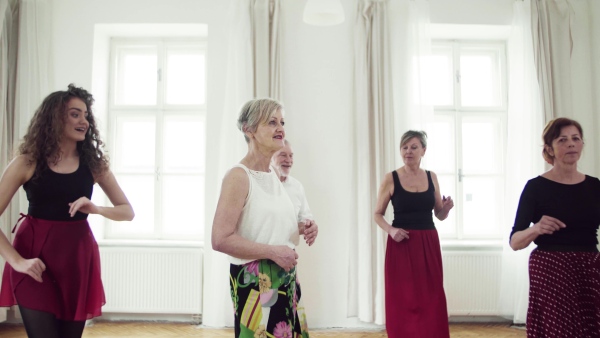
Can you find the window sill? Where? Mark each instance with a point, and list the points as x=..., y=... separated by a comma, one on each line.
x=471, y=244
x=145, y=243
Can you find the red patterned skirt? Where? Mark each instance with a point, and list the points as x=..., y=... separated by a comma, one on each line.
x=564, y=294
x=71, y=288
x=415, y=302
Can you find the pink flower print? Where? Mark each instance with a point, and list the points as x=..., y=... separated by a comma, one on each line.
x=295, y=302
x=252, y=267
x=282, y=330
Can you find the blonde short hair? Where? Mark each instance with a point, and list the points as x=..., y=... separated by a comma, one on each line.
x=255, y=112
x=421, y=135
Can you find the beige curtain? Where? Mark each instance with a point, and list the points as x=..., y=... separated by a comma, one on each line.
x=253, y=70
x=551, y=22
x=374, y=150
x=266, y=48
x=565, y=41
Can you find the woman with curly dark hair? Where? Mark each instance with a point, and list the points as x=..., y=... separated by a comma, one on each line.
x=53, y=266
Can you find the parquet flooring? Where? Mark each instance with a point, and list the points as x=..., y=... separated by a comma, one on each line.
x=151, y=329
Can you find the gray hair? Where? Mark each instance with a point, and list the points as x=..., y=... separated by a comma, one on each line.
x=421, y=135
x=255, y=112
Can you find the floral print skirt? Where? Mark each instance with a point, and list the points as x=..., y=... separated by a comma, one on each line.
x=266, y=301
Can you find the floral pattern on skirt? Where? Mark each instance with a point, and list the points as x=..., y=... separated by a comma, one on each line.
x=266, y=301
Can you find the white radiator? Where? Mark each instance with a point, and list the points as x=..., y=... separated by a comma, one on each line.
x=152, y=280
x=471, y=282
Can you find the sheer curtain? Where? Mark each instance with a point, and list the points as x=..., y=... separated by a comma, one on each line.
x=252, y=71
x=8, y=28
x=389, y=55
x=524, y=128
x=24, y=78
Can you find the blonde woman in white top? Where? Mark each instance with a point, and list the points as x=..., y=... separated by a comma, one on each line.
x=255, y=225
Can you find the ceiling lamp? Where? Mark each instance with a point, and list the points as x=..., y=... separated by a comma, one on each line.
x=323, y=12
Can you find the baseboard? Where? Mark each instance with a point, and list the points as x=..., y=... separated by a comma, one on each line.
x=150, y=317
x=479, y=319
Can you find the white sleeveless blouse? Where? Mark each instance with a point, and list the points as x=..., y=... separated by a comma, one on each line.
x=268, y=216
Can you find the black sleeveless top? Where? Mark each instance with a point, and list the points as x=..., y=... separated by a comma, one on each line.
x=412, y=210
x=50, y=193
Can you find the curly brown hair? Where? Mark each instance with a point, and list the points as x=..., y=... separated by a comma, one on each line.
x=45, y=131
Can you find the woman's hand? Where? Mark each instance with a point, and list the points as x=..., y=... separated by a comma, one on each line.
x=311, y=230
x=285, y=257
x=32, y=267
x=548, y=225
x=84, y=205
x=398, y=234
x=447, y=204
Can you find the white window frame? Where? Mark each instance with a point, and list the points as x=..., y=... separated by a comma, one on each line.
x=457, y=113
x=160, y=111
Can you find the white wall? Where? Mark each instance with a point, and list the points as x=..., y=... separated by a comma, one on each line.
x=317, y=93
x=317, y=90
x=476, y=12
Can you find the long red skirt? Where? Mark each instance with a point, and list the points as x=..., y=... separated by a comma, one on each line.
x=564, y=294
x=415, y=303
x=71, y=288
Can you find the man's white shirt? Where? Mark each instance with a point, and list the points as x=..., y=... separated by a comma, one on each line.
x=296, y=192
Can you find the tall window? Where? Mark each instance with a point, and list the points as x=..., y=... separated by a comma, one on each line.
x=157, y=115
x=466, y=140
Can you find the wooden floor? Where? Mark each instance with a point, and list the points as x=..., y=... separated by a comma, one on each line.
x=148, y=329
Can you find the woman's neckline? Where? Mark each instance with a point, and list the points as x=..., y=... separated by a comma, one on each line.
x=257, y=171
x=561, y=183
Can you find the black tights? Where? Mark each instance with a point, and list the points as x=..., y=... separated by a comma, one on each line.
x=40, y=324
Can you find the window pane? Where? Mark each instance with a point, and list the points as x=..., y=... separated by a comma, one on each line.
x=441, y=77
x=440, y=155
x=136, y=79
x=447, y=188
x=184, y=144
x=135, y=143
x=481, y=202
x=139, y=190
x=186, y=76
x=480, y=78
x=183, y=192
x=481, y=145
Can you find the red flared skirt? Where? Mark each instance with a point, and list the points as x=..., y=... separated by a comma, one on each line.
x=564, y=294
x=71, y=288
x=415, y=301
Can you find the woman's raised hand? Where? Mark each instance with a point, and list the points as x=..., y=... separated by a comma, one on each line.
x=548, y=225
x=82, y=204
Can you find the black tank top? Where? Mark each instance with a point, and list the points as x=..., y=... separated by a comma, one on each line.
x=412, y=210
x=49, y=194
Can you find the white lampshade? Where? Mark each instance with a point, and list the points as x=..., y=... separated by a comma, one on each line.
x=323, y=12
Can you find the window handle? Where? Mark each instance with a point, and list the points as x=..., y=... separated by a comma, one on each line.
x=157, y=172
x=458, y=76
x=159, y=74
x=460, y=175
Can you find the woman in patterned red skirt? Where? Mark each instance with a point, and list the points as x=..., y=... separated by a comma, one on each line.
x=53, y=266
x=564, y=270
x=415, y=303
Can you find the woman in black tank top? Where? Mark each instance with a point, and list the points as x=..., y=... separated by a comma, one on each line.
x=53, y=266
x=415, y=301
